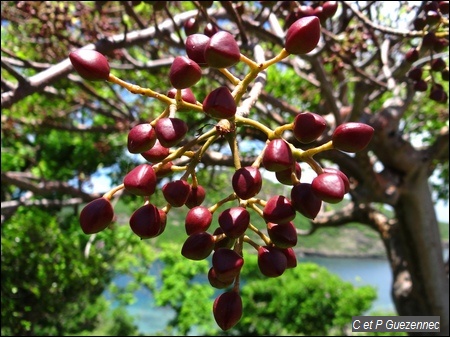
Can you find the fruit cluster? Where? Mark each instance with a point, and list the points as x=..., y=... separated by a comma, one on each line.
x=423, y=74
x=159, y=142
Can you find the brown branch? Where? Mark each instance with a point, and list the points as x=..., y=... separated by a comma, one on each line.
x=26, y=181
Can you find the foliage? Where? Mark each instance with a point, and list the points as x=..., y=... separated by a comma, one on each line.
x=52, y=282
x=306, y=300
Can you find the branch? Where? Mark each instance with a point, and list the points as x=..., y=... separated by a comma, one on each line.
x=61, y=70
x=26, y=181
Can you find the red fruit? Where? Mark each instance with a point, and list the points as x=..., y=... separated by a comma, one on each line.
x=271, y=261
x=227, y=309
x=421, y=86
x=247, y=182
x=285, y=176
x=305, y=201
x=303, y=35
x=147, y=221
x=291, y=257
x=210, y=29
x=283, y=235
x=198, y=219
x=329, y=8
x=329, y=187
x=278, y=209
x=438, y=64
x=96, y=216
x=277, y=156
x=308, y=126
x=412, y=55
x=141, y=180
x=170, y=131
x=157, y=153
x=198, y=246
x=415, y=73
x=341, y=174
x=186, y=95
x=176, y=192
x=352, y=136
x=196, y=196
x=90, y=64
x=234, y=221
x=184, y=72
x=195, y=48
x=227, y=264
x=191, y=26
x=226, y=242
x=164, y=170
x=215, y=282
x=141, y=138
x=222, y=50
x=220, y=104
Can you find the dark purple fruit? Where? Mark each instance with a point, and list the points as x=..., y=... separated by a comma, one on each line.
x=195, y=48
x=283, y=235
x=285, y=176
x=191, y=26
x=329, y=8
x=226, y=242
x=329, y=187
x=234, y=221
x=222, y=50
x=227, y=309
x=308, y=126
x=141, y=180
x=278, y=209
x=303, y=35
x=164, y=170
x=305, y=201
x=141, y=138
x=90, y=64
x=412, y=55
x=220, y=104
x=184, y=72
x=96, y=216
x=210, y=29
x=271, y=261
x=227, y=263
x=247, y=182
x=291, y=257
x=196, y=196
x=157, y=153
x=170, y=131
x=352, y=136
x=198, y=219
x=147, y=222
x=176, y=192
x=215, y=282
x=198, y=246
x=415, y=73
x=277, y=156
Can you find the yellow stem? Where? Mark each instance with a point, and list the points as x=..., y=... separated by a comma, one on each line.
x=252, y=64
x=135, y=89
x=108, y=195
x=264, y=237
x=233, y=79
x=257, y=125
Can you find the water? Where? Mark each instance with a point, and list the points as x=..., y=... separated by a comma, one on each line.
x=375, y=272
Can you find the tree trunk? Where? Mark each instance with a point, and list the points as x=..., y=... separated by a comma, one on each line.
x=420, y=282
